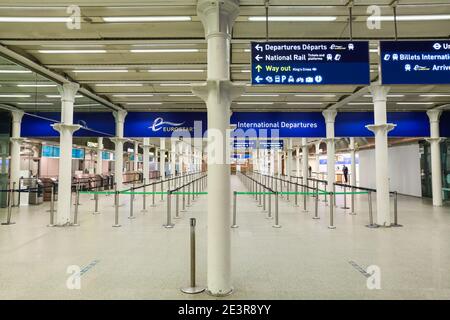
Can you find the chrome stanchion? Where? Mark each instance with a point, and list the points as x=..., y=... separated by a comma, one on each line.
x=192, y=289
x=371, y=224
x=77, y=204
x=234, y=225
x=316, y=203
x=269, y=199
x=52, y=207
x=305, y=191
x=276, y=225
x=144, y=198
x=183, y=209
x=188, y=196
x=331, y=226
x=131, y=216
x=334, y=195
x=177, y=206
x=169, y=223
x=116, y=207
x=162, y=190
x=352, y=211
x=296, y=195
x=96, y=204
x=9, y=214
x=153, y=194
x=345, y=199
x=395, y=224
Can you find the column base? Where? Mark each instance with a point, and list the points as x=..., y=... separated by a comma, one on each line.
x=192, y=290
x=219, y=295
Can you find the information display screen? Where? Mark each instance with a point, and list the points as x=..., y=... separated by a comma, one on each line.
x=311, y=63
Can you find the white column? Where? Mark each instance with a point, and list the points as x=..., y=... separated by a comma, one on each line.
x=329, y=116
x=218, y=17
x=381, y=129
x=305, y=155
x=136, y=156
x=119, y=116
x=146, y=159
x=289, y=155
x=162, y=158
x=353, y=165
x=99, y=165
x=16, y=141
x=436, y=171
x=317, y=163
x=66, y=129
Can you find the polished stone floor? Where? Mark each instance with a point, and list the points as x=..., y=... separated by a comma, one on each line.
x=303, y=259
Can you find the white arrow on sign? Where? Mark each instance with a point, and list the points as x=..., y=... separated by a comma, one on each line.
x=258, y=79
x=258, y=57
x=258, y=47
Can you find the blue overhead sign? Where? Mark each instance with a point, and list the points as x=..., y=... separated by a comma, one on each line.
x=415, y=62
x=311, y=63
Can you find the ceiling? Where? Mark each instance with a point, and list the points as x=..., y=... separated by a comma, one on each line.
x=129, y=84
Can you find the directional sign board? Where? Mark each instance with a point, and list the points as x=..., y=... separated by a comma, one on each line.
x=415, y=62
x=311, y=63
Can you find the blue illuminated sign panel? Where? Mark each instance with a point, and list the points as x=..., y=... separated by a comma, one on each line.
x=415, y=62
x=310, y=63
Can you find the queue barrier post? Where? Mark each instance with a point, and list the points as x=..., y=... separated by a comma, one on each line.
x=369, y=199
x=144, y=198
x=96, y=204
x=169, y=223
x=52, y=207
x=395, y=224
x=276, y=224
x=116, y=207
x=352, y=211
x=316, y=203
x=77, y=204
x=234, y=225
x=131, y=216
x=332, y=198
x=9, y=214
x=193, y=288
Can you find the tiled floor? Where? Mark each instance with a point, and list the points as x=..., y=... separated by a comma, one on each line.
x=301, y=260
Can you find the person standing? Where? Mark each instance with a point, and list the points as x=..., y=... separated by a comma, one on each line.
x=345, y=172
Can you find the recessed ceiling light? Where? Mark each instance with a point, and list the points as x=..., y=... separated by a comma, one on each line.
x=162, y=50
x=35, y=19
x=72, y=51
x=260, y=95
x=175, y=70
x=133, y=95
x=245, y=71
x=315, y=95
x=254, y=102
x=305, y=103
x=416, y=103
x=143, y=103
x=59, y=96
x=181, y=95
x=147, y=19
x=15, y=71
x=293, y=18
x=430, y=17
x=99, y=70
x=175, y=84
x=35, y=103
x=36, y=85
x=434, y=95
x=119, y=85
x=14, y=96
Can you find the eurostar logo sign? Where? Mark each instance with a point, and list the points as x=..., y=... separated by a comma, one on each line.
x=159, y=122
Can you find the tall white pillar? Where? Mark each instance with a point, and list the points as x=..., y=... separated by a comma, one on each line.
x=353, y=159
x=330, y=116
x=381, y=129
x=162, y=158
x=436, y=171
x=118, y=140
x=289, y=154
x=16, y=141
x=317, y=162
x=218, y=17
x=66, y=129
x=146, y=159
x=99, y=165
x=305, y=155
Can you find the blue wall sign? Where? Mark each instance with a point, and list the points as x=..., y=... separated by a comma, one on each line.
x=95, y=124
x=270, y=125
x=415, y=62
x=310, y=63
x=164, y=124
